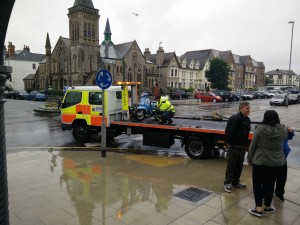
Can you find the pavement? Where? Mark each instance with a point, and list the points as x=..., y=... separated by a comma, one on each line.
x=80, y=187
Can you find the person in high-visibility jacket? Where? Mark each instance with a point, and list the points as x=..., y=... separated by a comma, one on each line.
x=165, y=109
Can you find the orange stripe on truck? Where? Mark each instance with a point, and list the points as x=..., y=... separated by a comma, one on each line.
x=83, y=109
x=68, y=118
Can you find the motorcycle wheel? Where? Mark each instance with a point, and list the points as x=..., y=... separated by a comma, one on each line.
x=140, y=115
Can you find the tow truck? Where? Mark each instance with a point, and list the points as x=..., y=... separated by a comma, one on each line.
x=81, y=112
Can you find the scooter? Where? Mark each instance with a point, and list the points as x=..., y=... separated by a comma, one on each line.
x=146, y=108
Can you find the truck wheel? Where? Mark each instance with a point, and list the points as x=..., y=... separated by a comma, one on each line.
x=196, y=148
x=81, y=133
x=140, y=115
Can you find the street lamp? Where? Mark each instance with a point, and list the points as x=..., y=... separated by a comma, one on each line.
x=289, y=76
x=159, y=60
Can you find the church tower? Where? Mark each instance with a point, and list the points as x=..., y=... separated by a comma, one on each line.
x=84, y=40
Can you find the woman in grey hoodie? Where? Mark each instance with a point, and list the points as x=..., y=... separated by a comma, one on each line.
x=267, y=158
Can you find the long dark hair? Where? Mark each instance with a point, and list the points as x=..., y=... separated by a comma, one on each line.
x=271, y=118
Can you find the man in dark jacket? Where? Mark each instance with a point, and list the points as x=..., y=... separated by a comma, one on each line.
x=237, y=132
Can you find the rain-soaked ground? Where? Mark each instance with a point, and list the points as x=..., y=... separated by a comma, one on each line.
x=26, y=129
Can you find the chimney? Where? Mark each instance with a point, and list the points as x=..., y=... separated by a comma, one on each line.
x=160, y=56
x=26, y=47
x=147, y=54
x=11, y=49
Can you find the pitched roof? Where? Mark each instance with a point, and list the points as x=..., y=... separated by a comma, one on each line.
x=26, y=55
x=109, y=52
x=201, y=55
x=29, y=77
x=167, y=58
x=237, y=59
x=67, y=41
x=280, y=72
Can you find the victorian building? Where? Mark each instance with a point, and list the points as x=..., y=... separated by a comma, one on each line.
x=74, y=60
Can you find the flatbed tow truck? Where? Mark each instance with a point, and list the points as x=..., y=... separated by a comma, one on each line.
x=81, y=112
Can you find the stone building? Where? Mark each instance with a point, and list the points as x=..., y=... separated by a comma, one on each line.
x=74, y=60
x=164, y=68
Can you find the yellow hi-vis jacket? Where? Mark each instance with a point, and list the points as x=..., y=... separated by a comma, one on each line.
x=165, y=105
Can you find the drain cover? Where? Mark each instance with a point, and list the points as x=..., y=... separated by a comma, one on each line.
x=193, y=194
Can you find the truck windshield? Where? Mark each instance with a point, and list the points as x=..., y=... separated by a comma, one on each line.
x=72, y=98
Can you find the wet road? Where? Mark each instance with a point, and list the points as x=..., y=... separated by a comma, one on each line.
x=26, y=129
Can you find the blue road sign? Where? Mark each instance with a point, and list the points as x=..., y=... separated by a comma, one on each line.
x=103, y=79
x=65, y=89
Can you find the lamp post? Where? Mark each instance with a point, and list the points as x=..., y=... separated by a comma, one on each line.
x=159, y=60
x=289, y=76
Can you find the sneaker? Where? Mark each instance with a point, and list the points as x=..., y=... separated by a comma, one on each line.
x=227, y=188
x=255, y=213
x=240, y=186
x=170, y=122
x=269, y=210
x=280, y=197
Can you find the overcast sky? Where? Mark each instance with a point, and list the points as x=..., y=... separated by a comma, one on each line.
x=256, y=27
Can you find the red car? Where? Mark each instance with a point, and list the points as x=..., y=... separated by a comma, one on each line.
x=207, y=97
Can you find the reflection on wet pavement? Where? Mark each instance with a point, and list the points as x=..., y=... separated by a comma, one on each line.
x=82, y=188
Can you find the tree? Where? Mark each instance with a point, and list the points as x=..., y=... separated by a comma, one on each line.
x=218, y=74
x=268, y=81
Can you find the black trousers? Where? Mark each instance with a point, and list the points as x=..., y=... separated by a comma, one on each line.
x=235, y=160
x=281, y=180
x=263, y=178
x=166, y=116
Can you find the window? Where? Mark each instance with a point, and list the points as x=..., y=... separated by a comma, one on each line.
x=72, y=98
x=33, y=66
x=95, y=98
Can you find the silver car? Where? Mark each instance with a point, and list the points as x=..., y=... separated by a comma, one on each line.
x=278, y=99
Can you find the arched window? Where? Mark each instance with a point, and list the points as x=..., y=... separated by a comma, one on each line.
x=91, y=63
x=75, y=63
x=129, y=74
x=85, y=30
x=93, y=33
x=139, y=75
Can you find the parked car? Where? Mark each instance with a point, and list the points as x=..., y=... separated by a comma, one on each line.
x=235, y=96
x=247, y=96
x=207, y=97
x=225, y=95
x=278, y=99
x=265, y=94
x=178, y=94
x=294, y=98
x=258, y=95
x=11, y=94
x=16, y=95
x=36, y=95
